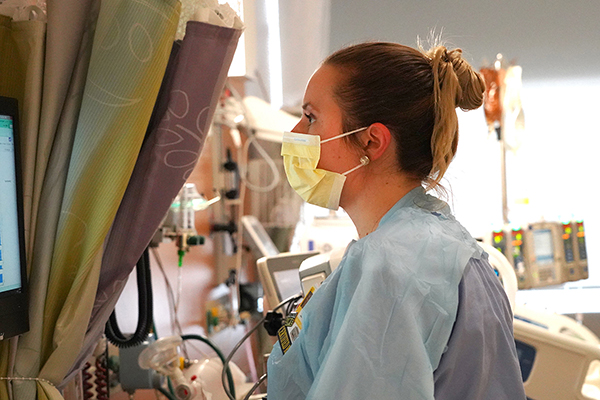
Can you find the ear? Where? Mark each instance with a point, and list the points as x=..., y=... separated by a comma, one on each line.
x=376, y=140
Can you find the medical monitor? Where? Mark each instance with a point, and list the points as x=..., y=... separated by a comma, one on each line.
x=279, y=276
x=580, y=248
x=14, y=318
x=314, y=270
x=545, y=257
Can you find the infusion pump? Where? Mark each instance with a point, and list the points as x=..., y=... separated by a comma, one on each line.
x=544, y=253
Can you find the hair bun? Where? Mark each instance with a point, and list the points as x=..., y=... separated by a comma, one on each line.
x=471, y=86
x=471, y=82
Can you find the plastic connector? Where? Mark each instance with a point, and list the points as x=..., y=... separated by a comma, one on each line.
x=195, y=240
x=273, y=321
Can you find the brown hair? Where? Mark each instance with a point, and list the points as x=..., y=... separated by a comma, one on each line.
x=414, y=94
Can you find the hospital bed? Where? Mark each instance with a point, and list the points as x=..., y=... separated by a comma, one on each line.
x=559, y=358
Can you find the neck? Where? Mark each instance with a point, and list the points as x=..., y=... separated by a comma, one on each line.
x=374, y=197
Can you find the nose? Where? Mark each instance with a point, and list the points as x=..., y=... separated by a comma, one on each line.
x=298, y=128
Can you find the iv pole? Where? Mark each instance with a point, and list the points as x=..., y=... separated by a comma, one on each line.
x=502, y=141
x=494, y=78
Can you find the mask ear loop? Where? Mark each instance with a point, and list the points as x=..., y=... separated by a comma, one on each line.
x=344, y=134
x=364, y=160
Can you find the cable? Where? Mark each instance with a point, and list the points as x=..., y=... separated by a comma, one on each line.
x=101, y=380
x=246, y=336
x=144, y=283
x=219, y=353
x=253, y=388
x=166, y=393
x=87, y=379
x=174, y=317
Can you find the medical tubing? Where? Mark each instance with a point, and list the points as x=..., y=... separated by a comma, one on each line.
x=244, y=166
x=253, y=388
x=246, y=336
x=170, y=385
x=144, y=283
x=166, y=393
x=219, y=353
x=175, y=324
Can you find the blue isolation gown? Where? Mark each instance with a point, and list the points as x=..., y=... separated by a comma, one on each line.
x=380, y=324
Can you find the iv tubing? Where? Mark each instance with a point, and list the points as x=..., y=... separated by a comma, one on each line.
x=253, y=388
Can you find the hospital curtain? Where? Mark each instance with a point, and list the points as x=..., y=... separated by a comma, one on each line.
x=91, y=126
x=182, y=115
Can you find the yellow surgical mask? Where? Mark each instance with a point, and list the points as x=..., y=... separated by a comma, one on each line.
x=301, y=153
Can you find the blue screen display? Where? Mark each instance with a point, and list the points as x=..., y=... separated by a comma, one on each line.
x=10, y=257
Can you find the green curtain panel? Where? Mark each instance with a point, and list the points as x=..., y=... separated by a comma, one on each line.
x=130, y=50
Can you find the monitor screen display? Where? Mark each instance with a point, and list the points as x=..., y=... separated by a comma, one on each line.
x=10, y=257
x=287, y=283
x=544, y=251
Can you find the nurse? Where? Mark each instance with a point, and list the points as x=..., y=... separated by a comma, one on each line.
x=414, y=310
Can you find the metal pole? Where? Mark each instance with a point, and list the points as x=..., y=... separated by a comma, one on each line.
x=503, y=174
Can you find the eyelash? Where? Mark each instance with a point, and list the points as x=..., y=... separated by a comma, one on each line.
x=310, y=118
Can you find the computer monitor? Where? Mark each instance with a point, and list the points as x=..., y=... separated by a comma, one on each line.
x=314, y=270
x=279, y=276
x=258, y=238
x=14, y=312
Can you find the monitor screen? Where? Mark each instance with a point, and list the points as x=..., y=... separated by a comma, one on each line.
x=14, y=317
x=544, y=251
x=287, y=283
x=10, y=257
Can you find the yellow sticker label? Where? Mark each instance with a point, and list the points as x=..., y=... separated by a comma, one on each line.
x=284, y=339
x=306, y=299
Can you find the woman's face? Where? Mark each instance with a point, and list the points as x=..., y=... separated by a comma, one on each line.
x=322, y=116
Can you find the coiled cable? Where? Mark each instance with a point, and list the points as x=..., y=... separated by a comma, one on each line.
x=144, y=283
x=87, y=384
x=101, y=380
